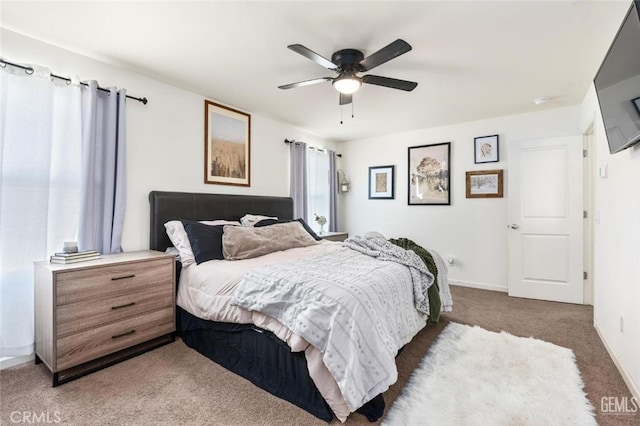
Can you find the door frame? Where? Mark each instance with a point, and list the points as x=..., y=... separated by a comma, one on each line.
x=588, y=197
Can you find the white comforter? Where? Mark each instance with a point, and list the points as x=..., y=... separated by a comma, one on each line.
x=357, y=310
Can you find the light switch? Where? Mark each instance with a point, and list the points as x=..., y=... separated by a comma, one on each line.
x=602, y=171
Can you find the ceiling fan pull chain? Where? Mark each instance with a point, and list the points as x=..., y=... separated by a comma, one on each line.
x=340, y=114
x=352, y=115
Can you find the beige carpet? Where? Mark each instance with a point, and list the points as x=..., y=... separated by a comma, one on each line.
x=175, y=385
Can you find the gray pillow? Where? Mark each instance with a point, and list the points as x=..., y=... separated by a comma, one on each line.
x=247, y=242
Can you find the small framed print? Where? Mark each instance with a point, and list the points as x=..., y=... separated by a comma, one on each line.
x=381, y=181
x=486, y=149
x=485, y=184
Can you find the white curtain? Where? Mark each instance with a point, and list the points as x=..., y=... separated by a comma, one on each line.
x=40, y=162
x=318, y=187
x=62, y=178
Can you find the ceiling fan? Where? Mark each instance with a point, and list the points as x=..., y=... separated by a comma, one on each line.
x=348, y=63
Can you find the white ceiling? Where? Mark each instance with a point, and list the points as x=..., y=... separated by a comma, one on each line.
x=473, y=60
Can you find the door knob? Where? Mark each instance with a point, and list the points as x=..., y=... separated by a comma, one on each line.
x=513, y=226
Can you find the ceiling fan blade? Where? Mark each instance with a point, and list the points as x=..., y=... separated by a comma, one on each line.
x=393, y=83
x=310, y=54
x=385, y=54
x=305, y=83
x=345, y=99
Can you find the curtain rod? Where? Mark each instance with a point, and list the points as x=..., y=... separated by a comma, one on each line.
x=287, y=141
x=29, y=71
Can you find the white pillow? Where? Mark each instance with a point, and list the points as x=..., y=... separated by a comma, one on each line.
x=180, y=240
x=252, y=219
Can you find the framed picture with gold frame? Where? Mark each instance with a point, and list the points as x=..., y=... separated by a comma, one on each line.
x=227, y=145
x=485, y=184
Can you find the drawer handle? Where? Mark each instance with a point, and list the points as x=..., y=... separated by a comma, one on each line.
x=124, y=277
x=123, y=306
x=128, y=333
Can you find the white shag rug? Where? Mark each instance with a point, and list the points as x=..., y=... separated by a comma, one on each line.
x=472, y=376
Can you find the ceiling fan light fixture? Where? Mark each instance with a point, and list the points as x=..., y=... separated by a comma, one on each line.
x=348, y=84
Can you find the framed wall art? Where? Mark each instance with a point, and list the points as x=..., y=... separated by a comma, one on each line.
x=485, y=149
x=485, y=184
x=227, y=145
x=381, y=180
x=428, y=175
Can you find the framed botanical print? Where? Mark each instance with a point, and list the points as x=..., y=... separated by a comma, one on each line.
x=227, y=145
x=381, y=183
x=428, y=175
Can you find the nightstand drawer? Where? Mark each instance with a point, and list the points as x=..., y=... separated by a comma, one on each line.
x=93, y=283
x=334, y=236
x=78, y=316
x=90, y=344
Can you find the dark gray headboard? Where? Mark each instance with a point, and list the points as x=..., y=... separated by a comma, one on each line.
x=166, y=206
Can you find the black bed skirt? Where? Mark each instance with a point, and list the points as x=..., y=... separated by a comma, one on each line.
x=263, y=359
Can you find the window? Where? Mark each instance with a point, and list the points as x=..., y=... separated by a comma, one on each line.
x=318, y=189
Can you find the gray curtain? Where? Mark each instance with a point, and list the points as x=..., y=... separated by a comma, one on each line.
x=103, y=169
x=298, y=178
x=333, y=193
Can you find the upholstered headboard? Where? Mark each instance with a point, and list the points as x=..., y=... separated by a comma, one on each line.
x=166, y=206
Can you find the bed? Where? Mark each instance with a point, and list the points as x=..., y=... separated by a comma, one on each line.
x=250, y=343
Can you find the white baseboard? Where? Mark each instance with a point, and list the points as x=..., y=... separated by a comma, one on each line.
x=481, y=286
x=625, y=376
x=12, y=361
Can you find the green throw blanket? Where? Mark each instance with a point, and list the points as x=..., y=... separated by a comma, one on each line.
x=435, y=303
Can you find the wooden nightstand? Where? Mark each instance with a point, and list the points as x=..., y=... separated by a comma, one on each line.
x=334, y=236
x=89, y=315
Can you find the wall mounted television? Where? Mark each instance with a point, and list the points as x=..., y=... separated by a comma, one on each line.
x=617, y=84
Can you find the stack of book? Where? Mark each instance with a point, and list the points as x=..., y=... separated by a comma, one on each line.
x=79, y=256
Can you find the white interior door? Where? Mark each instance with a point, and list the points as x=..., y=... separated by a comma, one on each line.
x=545, y=219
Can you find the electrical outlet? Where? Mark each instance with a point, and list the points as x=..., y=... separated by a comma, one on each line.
x=622, y=325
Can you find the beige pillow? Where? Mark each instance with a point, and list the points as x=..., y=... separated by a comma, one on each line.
x=248, y=242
